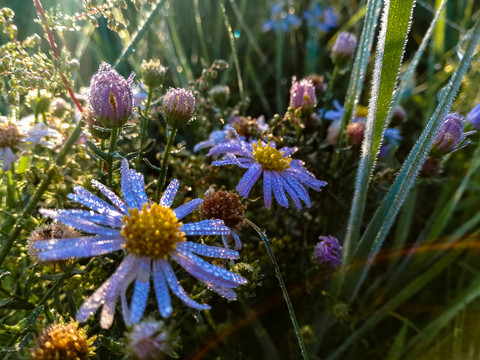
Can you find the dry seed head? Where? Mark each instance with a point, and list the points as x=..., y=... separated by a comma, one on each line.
x=9, y=135
x=226, y=206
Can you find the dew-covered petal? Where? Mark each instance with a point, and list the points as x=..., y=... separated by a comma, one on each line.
x=99, y=296
x=249, y=179
x=205, y=227
x=140, y=291
x=79, y=223
x=71, y=242
x=223, y=162
x=81, y=249
x=138, y=187
x=307, y=178
x=235, y=148
x=244, y=163
x=185, y=209
x=177, y=289
x=299, y=188
x=204, y=144
x=278, y=190
x=119, y=203
x=291, y=191
x=225, y=292
x=85, y=197
x=216, y=274
x=106, y=219
x=169, y=194
x=288, y=151
x=236, y=239
x=267, y=188
x=114, y=291
x=207, y=250
x=127, y=186
x=161, y=290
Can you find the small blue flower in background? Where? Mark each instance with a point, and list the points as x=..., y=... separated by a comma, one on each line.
x=216, y=137
x=393, y=136
x=333, y=115
x=151, y=234
x=323, y=20
x=328, y=251
x=280, y=172
x=474, y=116
x=280, y=20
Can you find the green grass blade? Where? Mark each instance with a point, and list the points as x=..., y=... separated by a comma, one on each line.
x=385, y=215
x=419, y=342
x=392, y=39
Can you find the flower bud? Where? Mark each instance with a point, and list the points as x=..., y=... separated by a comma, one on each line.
x=220, y=95
x=97, y=130
x=431, y=167
x=153, y=73
x=343, y=49
x=302, y=94
x=355, y=132
x=450, y=135
x=328, y=251
x=111, y=97
x=178, y=107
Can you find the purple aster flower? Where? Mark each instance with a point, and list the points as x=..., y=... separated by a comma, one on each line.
x=450, y=136
x=280, y=20
x=280, y=172
x=110, y=96
x=322, y=20
x=151, y=235
x=474, y=116
x=302, y=94
x=178, y=107
x=328, y=251
x=216, y=137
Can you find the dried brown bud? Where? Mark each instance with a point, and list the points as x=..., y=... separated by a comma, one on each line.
x=355, y=132
x=226, y=206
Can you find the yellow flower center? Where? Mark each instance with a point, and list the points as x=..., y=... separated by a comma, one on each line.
x=362, y=111
x=9, y=135
x=269, y=157
x=152, y=232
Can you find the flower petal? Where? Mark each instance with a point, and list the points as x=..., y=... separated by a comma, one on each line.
x=84, y=248
x=185, y=209
x=169, y=194
x=91, y=201
x=140, y=291
x=278, y=190
x=138, y=187
x=206, y=250
x=161, y=290
x=205, y=227
x=249, y=179
x=127, y=186
x=267, y=188
x=177, y=289
x=119, y=203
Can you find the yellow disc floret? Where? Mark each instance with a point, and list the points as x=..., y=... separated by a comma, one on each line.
x=270, y=158
x=9, y=135
x=153, y=231
x=362, y=111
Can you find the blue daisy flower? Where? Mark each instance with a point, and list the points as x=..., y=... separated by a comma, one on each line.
x=280, y=172
x=280, y=20
x=323, y=20
x=151, y=234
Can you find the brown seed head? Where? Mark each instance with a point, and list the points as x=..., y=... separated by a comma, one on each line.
x=226, y=206
x=48, y=232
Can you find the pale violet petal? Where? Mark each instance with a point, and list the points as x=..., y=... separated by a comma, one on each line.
x=138, y=187
x=279, y=191
x=161, y=290
x=267, y=188
x=207, y=250
x=119, y=203
x=127, y=186
x=249, y=179
x=84, y=249
x=68, y=242
x=185, y=209
x=86, y=198
x=169, y=194
x=106, y=219
x=141, y=290
x=205, y=227
x=225, y=292
x=177, y=289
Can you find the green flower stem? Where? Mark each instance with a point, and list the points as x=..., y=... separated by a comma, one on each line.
x=143, y=128
x=111, y=148
x=278, y=70
x=163, y=174
x=32, y=204
x=278, y=274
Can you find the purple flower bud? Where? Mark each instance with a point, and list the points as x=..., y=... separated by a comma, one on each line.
x=302, y=94
x=328, y=251
x=178, y=107
x=148, y=341
x=344, y=49
x=110, y=96
x=450, y=135
x=474, y=116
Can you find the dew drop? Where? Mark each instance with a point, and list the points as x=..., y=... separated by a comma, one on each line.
x=237, y=33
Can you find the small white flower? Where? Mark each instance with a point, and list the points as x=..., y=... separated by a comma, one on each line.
x=16, y=138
